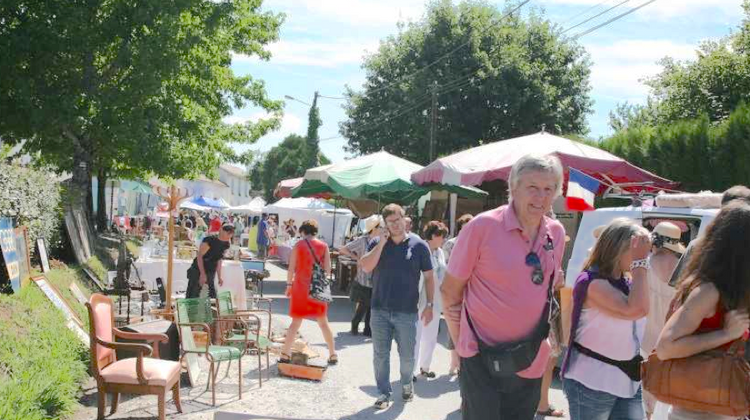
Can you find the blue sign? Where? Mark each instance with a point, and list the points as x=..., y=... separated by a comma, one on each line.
x=10, y=256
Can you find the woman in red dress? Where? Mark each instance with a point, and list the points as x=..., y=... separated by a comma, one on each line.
x=298, y=280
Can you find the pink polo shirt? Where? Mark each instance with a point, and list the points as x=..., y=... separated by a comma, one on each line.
x=504, y=304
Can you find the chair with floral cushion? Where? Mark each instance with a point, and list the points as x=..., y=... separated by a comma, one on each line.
x=137, y=375
x=198, y=313
x=250, y=327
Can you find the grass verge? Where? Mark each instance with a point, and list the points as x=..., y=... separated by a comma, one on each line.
x=43, y=362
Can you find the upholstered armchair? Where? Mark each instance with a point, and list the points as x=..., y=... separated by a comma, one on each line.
x=136, y=375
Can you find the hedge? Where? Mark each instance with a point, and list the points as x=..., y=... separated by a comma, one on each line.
x=43, y=363
x=32, y=197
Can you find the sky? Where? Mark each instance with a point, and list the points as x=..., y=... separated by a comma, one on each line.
x=323, y=42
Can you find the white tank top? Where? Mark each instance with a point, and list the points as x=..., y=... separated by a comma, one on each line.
x=659, y=299
x=611, y=337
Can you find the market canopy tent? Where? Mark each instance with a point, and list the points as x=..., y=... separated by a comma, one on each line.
x=284, y=189
x=493, y=161
x=254, y=207
x=301, y=209
x=187, y=204
x=379, y=176
x=210, y=202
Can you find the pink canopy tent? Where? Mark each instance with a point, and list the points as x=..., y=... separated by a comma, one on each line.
x=493, y=161
x=284, y=188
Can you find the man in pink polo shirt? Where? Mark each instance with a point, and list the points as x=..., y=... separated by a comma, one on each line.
x=499, y=274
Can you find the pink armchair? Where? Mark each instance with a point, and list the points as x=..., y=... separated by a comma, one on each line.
x=141, y=375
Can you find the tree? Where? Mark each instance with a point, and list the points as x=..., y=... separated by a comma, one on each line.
x=116, y=88
x=494, y=78
x=287, y=160
x=314, y=122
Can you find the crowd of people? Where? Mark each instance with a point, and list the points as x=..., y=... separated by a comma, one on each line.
x=495, y=284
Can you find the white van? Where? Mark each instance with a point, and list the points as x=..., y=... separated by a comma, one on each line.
x=692, y=220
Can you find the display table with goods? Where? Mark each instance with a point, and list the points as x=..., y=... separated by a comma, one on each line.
x=150, y=267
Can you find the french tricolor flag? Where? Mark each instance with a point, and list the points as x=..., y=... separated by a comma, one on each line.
x=581, y=191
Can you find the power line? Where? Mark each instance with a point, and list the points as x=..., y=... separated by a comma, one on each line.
x=594, y=17
x=467, y=79
x=584, y=12
x=616, y=18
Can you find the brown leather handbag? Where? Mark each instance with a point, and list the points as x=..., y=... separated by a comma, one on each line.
x=716, y=381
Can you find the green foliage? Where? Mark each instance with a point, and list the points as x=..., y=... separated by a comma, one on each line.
x=131, y=88
x=62, y=278
x=33, y=198
x=289, y=159
x=712, y=85
x=514, y=76
x=699, y=155
x=313, y=124
x=43, y=362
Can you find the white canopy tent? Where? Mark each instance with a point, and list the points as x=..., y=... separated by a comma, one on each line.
x=301, y=209
x=187, y=204
x=253, y=208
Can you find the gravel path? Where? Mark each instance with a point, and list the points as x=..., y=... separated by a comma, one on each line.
x=346, y=392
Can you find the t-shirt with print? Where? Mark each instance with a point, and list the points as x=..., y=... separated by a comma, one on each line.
x=504, y=304
x=395, y=280
x=216, y=248
x=359, y=248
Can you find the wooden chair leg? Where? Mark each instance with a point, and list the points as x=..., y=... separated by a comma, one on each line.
x=213, y=384
x=239, y=365
x=162, y=413
x=101, y=403
x=176, y=396
x=115, y=400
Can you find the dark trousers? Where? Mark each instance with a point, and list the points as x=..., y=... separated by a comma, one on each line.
x=362, y=310
x=487, y=398
x=194, y=284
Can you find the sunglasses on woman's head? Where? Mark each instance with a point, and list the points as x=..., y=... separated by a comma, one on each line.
x=532, y=260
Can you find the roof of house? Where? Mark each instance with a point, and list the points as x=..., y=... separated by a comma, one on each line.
x=234, y=170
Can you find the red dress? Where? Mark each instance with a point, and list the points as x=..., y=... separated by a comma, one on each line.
x=302, y=306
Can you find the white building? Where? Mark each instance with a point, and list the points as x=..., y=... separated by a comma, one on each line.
x=239, y=186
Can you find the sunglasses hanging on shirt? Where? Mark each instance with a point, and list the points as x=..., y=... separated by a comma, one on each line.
x=532, y=260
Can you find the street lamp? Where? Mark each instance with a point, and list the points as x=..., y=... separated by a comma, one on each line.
x=291, y=98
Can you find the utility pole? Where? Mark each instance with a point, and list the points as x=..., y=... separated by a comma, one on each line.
x=433, y=121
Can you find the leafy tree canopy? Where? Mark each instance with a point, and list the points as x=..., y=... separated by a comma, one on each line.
x=502, y=77
x=287, y=160
x=132, y=88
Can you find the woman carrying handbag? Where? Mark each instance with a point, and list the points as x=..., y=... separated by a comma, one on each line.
x=710, y=316
x=307, y=255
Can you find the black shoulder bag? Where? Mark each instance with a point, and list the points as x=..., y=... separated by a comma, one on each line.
x=320, y=286
x=507, y=359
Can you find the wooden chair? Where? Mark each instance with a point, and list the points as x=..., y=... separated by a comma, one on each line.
x=141, y=375
x=250, y=327
x=197, y=313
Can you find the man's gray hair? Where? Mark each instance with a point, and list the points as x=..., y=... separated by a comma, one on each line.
x=536, y=163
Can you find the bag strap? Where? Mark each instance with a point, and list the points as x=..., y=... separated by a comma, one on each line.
x=543, y=322
x=312, y=251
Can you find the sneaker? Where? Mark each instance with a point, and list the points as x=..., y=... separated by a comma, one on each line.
x=382, y=402
x=367, y=333
x=427, y=373
x=408, y=393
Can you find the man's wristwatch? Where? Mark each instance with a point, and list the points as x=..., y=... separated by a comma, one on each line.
x=430, y=305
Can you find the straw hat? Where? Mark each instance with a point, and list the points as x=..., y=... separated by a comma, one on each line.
x=667, y=235
x=372, y=222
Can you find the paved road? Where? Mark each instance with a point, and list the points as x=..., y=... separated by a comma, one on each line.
x=347, y=391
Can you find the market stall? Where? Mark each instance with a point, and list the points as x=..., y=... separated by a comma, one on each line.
x=332, y=222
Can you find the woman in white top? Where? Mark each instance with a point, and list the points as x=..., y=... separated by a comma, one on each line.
x=666, y=251
x=434, y=233
x=600, y=371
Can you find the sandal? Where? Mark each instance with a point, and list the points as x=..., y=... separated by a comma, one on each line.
x=427, y=373
x=333, y=359
x=551, y=412
x=285, y=358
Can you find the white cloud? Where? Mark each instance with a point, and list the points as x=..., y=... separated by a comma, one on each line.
x=619, y=67
x=663, y=8
x=318, y=54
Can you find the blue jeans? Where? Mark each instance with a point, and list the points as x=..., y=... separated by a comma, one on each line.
x=588, y=404
x=386, y=326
